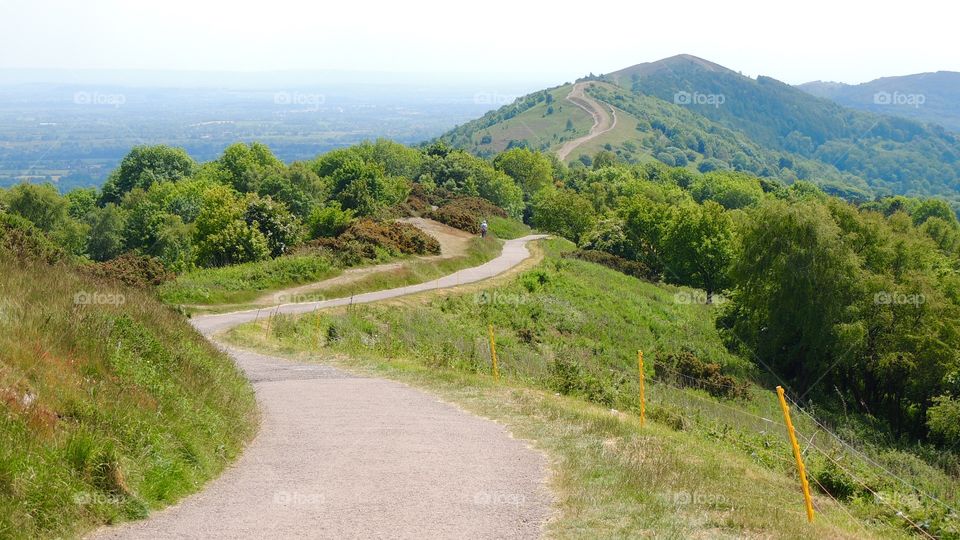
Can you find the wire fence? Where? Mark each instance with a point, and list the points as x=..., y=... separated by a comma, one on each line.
x=682, y=394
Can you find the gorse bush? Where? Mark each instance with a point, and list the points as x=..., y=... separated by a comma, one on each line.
x=131, y=270
x=631, y=268
x=466, y=213
x=20, y=239
x=395, y=237
x=685, y=370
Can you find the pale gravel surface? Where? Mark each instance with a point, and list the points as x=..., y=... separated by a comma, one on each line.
x=603, y=121
x=341, y=456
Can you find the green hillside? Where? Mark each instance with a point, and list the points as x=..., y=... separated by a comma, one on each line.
x=688, y=112
x=927, y=97
x=111, y=405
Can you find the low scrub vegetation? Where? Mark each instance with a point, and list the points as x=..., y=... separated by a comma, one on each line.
x=631, y=268
x=466, y=213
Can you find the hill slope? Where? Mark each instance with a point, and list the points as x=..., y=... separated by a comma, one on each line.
x=686, y=111
x=110, y=404
x=926, y=97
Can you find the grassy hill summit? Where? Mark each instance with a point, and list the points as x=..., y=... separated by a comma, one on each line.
x=689, y=112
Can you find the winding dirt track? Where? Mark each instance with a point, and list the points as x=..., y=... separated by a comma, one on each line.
x=453, y=243
x=604, y=118
x=341, y=456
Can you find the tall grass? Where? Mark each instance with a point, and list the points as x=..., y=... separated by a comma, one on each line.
x=507, y=228
x=110, y=404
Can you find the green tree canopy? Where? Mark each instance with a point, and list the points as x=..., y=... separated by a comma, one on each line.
x=143, y=166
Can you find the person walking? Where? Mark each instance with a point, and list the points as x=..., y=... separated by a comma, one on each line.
x=483, y=229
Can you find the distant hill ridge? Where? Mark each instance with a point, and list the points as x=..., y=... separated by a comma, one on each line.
x=690, y=112
x=927, y=97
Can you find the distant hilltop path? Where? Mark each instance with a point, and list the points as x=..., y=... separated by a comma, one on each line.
x=604, y=118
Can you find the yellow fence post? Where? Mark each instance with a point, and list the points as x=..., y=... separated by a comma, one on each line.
x=796, y=454
x=643, y=402
x=493, y=355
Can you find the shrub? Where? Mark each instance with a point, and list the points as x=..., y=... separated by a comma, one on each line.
x=836, y=483
x=398, y=238
x=687, y=371
x=943, y=419
x=466, y=213
x=414, y=207
x=22, y=240
x=329, y=221
x=131, y=269
x=631, y=268
x=364, y=237
x=434, y=196
x=569, y=378
x=669, y=416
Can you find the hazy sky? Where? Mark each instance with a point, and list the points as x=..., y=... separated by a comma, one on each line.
x=793, y=41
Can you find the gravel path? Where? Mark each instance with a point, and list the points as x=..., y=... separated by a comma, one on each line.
x=453, y=243
x=340, y=456
x=603, y=121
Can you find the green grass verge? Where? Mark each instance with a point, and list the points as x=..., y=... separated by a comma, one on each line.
x=704, y=467
x=507, y=228
x=111, y=405
x=411, y=272
x=245, y=282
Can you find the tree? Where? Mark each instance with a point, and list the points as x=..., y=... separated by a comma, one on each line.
x=234, y=244
x=143, y=166
x=604, y=158
x=531, y=170
x=929, y=208
x=794, y=279
x=363, y=187
x=698, y=245
x=732, y=190
x=41, y=204
x=463, y=174
x=245, y=166
x=106, y=239
x=80, y=202
x=609, y=235
x=298, y=187
x=280, y=228
x=562, y=212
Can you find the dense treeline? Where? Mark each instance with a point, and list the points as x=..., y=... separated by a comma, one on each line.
x=854, y=305
x=247, y=205
x=843, y=302
x=894, y=155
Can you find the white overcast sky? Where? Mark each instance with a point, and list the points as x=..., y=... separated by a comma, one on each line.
x=794, y=41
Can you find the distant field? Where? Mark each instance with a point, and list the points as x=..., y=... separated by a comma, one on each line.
x=74, y=136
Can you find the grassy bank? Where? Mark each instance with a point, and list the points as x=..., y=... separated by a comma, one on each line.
x=244, y=282
x=412, y=272
x=507, y=228
x=567, y=335
x=110, y=404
